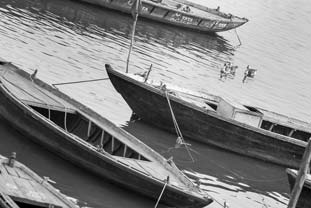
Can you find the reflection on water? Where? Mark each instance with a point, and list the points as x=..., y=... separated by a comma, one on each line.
x=69, y=41
x=228, y=177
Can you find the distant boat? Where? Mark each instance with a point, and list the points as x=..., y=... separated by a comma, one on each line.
x=214, y=120
x=179, y=13
x=80, y=135
x=21, y=187
x=304, y=200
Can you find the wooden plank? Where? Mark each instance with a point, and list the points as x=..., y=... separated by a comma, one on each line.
x=302, y=174
x=7, y=202
x=10, y=187
x=28, y=191
x=31, y=94
x=11, y=171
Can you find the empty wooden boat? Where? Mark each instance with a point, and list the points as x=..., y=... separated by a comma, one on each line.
x=82, y=136
x=21, y=187
x=214, y=120
x=178, y=13
x=304, y=200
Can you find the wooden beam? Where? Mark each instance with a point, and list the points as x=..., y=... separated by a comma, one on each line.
x=89, y=129
x=271, y=127
x=101, y=145
x=124, y=151
x=291, y=132
x=301, y=176
x=112, y=144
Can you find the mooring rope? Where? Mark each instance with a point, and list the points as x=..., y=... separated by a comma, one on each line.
x=166, y=182
x=180, y=139
x=240, y=42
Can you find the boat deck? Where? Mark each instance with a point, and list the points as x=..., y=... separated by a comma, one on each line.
x=193, y=10
x=23, y=186
x=151, y=169
x=29, y=94
x=285, y=120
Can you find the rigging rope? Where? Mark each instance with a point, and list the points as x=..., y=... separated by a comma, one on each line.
x=180, y=139
x=240, y=43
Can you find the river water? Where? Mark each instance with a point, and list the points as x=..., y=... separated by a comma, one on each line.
x=70, y=41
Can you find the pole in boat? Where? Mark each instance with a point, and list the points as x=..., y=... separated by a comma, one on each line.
x=166, y=182
x=135, y=10
x=301, y=176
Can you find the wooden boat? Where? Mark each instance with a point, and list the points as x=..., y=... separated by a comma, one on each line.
x=21, y=187
x=82, y=136
x=214, y=120
x=178, y=13
x=304, y=200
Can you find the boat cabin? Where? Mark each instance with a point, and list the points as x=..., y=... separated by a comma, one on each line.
x=244, y=114
x=263, y=119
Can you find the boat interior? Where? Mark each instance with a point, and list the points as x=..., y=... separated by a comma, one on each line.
x=80, y=126
x=21, y=188
x=67, y=117
x=105, y=143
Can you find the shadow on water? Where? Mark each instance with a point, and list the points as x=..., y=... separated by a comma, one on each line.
x=115, y=23
x=216, y=168
x=89, y=189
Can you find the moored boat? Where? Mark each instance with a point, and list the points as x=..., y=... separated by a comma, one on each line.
x=214, y=120
x=80, y=135
x=21, y=187
x=179, y=13
x=304, y=200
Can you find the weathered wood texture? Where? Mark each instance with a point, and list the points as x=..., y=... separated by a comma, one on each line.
x=24, y=186
x=202, y=125
x=304, y=200
x=70, y=147
x=301, y=177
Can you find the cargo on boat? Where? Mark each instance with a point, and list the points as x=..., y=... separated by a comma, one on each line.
x=304, y=200
x=178, y=13
x=80, y=135
x=214, y=120
x=21, y=187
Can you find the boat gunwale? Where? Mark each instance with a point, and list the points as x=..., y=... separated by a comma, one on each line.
x=294, y=173
x=221, y=19
x=190, y=188
x=209, y=112
x=61, y=197
x=237, y=21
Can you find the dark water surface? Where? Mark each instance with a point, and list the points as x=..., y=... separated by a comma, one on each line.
x=70, y=41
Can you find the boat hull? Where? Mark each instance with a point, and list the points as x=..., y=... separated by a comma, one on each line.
x=35, y=127
x=170, y=16
x=151, y=105
x=304, y=200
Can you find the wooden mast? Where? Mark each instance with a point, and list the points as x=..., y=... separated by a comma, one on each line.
x=135, y=11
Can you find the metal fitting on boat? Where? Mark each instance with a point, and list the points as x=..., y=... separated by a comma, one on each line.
x=11, y=160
